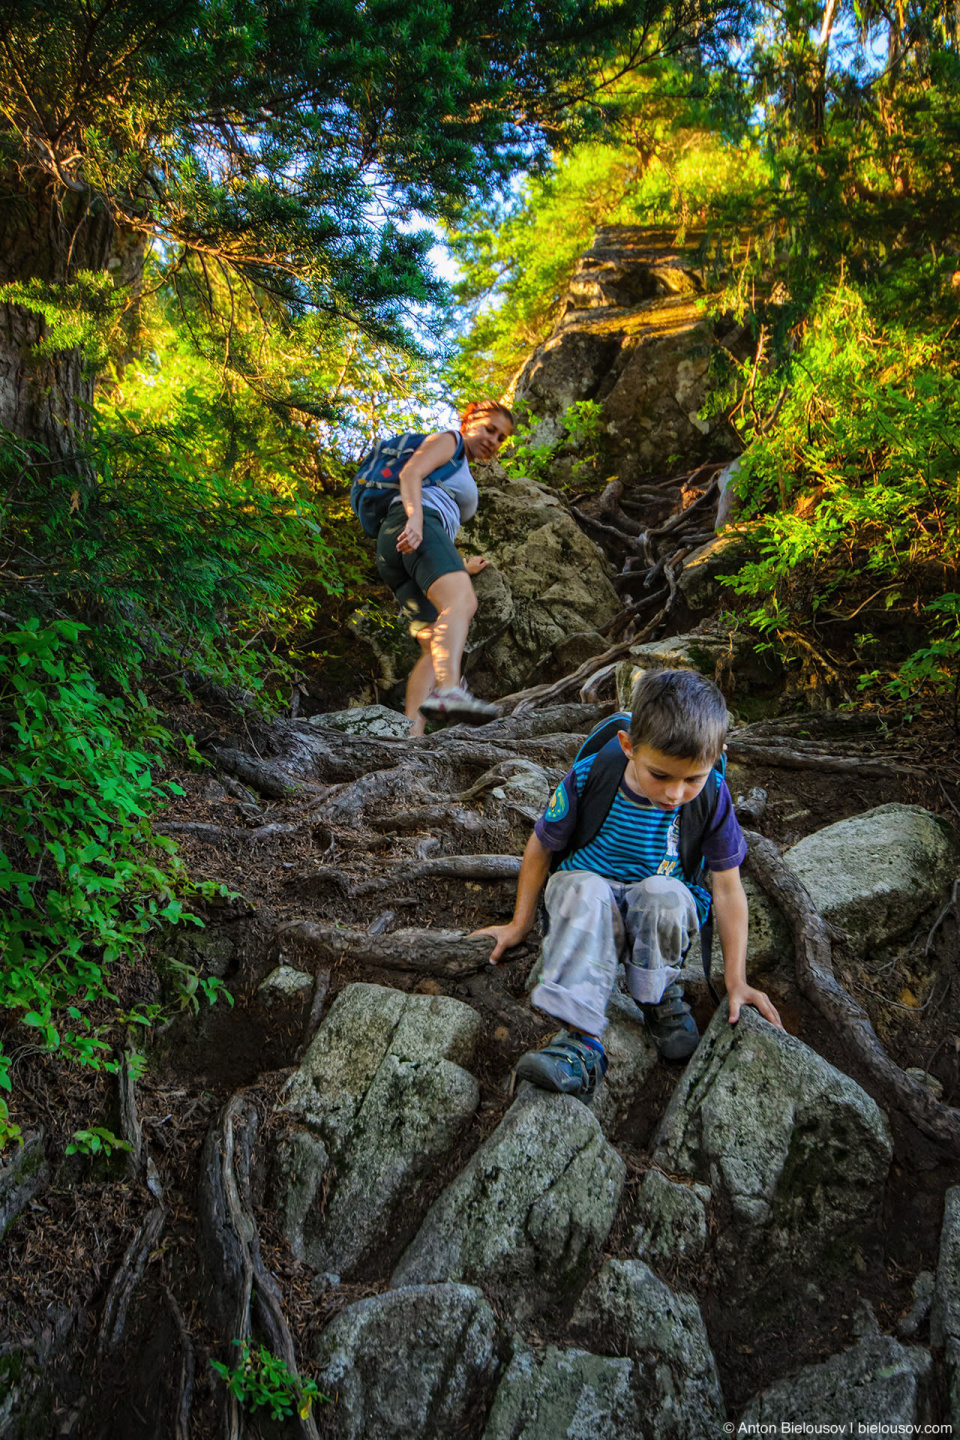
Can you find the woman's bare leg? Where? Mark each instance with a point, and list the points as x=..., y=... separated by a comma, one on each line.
x=421, y=681
x=456, y=604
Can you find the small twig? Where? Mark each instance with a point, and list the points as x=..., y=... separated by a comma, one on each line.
x=950, y=908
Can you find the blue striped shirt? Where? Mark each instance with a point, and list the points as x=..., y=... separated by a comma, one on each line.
x=637, y=839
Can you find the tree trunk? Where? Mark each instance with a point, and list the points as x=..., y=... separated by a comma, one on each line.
x=49, y=235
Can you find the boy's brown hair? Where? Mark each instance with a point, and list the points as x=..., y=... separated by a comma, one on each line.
x=679, y=713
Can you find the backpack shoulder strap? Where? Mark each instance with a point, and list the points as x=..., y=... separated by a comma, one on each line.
x=695, y=818
x=599, y=792
x=603, y=733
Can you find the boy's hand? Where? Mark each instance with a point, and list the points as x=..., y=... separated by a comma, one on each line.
x=742, y=995
x=476, y=563
x=506, y=937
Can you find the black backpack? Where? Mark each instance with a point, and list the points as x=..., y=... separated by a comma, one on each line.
x=600, y=791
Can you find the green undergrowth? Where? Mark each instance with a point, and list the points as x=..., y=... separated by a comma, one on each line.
x=84, y=878
x=855, y=492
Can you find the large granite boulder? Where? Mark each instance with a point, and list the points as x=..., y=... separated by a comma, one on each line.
x=632, y=1055
x=877, y=1382
x=875, y=874
x=729, y=657
x=379, y=1100
x=375, y=720
x=529, y=1212
x=795, y=1152
x=671, y=1220
x=412, y=1364
x=633, y=338
x=675, y=1378
x=701, y=579
x=571, y=1393
x=548, y=586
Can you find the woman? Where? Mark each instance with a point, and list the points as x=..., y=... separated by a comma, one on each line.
x=417, y=558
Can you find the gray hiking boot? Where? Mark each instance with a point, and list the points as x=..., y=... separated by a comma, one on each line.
x=457, y=707
x=671, y=1024
x=568, y=1065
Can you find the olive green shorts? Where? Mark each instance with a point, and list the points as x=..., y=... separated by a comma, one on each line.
x=410, y=576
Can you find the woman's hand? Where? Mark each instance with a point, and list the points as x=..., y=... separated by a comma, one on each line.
x=411, y=536
x=475, y=563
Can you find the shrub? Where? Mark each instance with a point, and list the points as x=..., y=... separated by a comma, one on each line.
x=83, y=878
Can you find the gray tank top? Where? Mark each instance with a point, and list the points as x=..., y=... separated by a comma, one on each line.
x=455, y=500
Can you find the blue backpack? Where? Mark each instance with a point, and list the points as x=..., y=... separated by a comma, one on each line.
x=377, y=483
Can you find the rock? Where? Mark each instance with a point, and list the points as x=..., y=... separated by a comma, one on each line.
x=727, y=498
x=769, y=944
x=210, y=950
x=530, y=787
x=729, y=657
x=793, y=1149
x=672, y=1220
x=375, y=720
x=700, y=580
x=632, y=1055
x=382, y=1097
x=412, y=1364
x=875, y=874
x=529, y=1212
x=923, y=1291
x=876, y=1382
x=547, y=583
x=23, y=1176
x=632, y=338
x=675, y=1380
x=923, y=1077
x=565, y=1393
x=283, y=984
x=872, y=876
x=945, y=1310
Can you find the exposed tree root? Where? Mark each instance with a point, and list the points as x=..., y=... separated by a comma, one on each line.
x=750, y=810
x=426, y=952
x=321, y=985
x=240, y=1291
x=449, y=867
x=130, y=1128
x=221, y=834
x=780, y=756
x=188, y=1367
x=124, y=1284
x=820, y=986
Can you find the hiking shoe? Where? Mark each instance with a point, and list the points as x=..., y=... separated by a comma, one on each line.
x=570, y=1065
x=457, y=707
x=671, y=1024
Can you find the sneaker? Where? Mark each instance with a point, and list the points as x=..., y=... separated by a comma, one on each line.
x=570, y=1065
x=671, y=1024
x=457, y=707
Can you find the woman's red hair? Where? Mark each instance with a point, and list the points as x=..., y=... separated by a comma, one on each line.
x=478, y=408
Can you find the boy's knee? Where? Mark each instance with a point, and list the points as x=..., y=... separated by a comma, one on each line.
x=572, y=894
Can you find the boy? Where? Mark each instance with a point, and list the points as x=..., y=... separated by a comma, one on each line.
x=623, y=895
